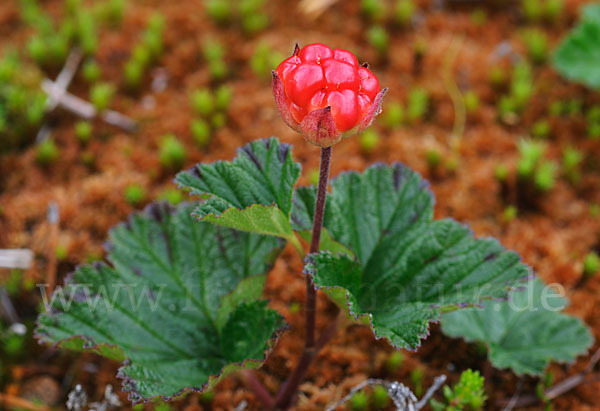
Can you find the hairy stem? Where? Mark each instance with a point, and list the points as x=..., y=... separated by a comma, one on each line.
x=289, y=388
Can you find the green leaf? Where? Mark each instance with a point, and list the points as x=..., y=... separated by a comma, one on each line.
x=179, y=301
x=407, y=268
x=578, y=56
x=251, y=193
x=524, y=333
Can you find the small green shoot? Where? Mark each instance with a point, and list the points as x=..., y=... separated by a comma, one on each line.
x=571, y=164
x=541, y=129
x=203, y=102
x=172, y=152
x=61, y=252
x=497, y=76
x=253, y=18
x=91, y=71
x=509, y=213
x=467, y=394
x=200, y=132
x=545, y=175
x=404, y=12
x=46, y=153
x=101, y=95
x=313, y=177
x=416, y=377
x=478, y=17
x=532, y=10
x=295, y=307
x=359, y=401
x=83, y=131
x=369, y=141
x=135, y=194
x=223, y=97
x=433, y=158
x=393, y=115
x=418, y=104
x=380, y=398
x=591, y=264
x=264, y=60
x=374, y=10
x=171, y=195
x=379, y=39
x=394, y=361
x=471, y=101
x=219, y=10
x=501, y=173
x=219, y=120
x=537, y=45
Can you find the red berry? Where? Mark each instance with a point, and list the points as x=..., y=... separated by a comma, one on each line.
x=317, y=77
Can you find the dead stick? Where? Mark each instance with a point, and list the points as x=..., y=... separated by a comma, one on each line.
x=559, y=388
x=84, y=109
x=65, y=77
x=16, y=402
x=53, y=219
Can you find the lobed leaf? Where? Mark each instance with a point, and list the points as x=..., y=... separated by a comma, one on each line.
x=178, y=301
x=251, y=193
x=577, y=58
x=406, y=268
x=525, y=333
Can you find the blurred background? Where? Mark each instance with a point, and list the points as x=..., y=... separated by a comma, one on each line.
x=102, y=102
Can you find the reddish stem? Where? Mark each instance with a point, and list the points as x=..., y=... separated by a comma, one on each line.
x=289, y=388
x=259, y=390
x=311, y=294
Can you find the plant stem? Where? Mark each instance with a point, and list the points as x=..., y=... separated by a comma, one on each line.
x=289, y=388
x=259, y=390
x=311, y=294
